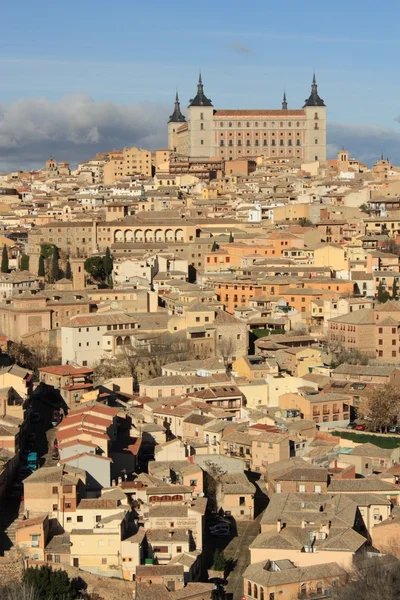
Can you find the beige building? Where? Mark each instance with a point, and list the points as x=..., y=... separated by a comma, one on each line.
x=232, y=134
x=127, y=162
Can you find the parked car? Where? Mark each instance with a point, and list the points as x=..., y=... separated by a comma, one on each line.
x=360, y=427
x=352, y=425
x=392, y=429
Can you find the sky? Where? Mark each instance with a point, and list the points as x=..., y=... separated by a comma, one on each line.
x=84, y=76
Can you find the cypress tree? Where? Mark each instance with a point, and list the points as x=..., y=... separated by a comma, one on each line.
x=4, y=260
x=68, y=270
x=231, y=237
x=54, y=268
x=395, y=290
x=24, y=264
x=108, y=265
x=41, y=271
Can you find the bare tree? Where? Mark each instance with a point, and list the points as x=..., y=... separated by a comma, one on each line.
x=19, y=591
x=145, y=360
x=341, y=355
x=225, y=349
x=371, y=579
x=33, y=357
x=381, y=406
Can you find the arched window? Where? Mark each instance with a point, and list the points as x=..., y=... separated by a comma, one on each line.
x=256, y=124
x=281, y=124
x=239, y=124
x=298, y=124
x=230, y=124
x=248, y=124
x=264, y=124
x=289, y=124
x=221, y=124
x=261, y=593
x=249, y=588
x=255, y=591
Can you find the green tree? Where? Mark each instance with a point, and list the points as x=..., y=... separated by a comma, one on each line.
x=4, y=260
x=108, y=265
x=383, y=295
x=220, y=561
x=395, y=292
x=214, y=247
x=24, y=263
x=303, y=222
x=95, y=267
x=41, y=269
x=52, y=585
x=54, y=272
x=231, y=237
x=68, y=270
x=46, y=250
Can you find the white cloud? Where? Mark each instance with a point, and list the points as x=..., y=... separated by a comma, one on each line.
x=74, y=128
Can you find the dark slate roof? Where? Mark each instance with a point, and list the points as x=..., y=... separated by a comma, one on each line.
x=177, y=116
x=314, y=99
x=200, y=98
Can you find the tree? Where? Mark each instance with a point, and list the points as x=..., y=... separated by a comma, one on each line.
x=19, y=591
x=41, y=269
x=303, y=222
x=144, y=361
x=54, y=269
x=383, y=295
x=370, y=579
x=108, y=263
x=33, y=357
x=46, y=250
x=214, y=247
x=24, y=263
x=392, y=247
x=220, y=562
x=225, y=349
x=95, y=267
x=395, y=292
x=68, y=270
x=381, y=406
x=52, y=585
x=341, y=355
x=4, y=260
x=231, y=237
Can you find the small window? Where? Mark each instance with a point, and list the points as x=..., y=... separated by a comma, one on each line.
x=79, y=519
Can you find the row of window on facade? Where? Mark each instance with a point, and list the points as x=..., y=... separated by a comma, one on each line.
x=265, y=142
x=264, y=124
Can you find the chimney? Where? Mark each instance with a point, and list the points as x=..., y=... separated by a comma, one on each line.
x=279, y=525
x=303, y=524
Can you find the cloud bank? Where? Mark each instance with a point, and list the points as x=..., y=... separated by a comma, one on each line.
x=74, y=128
x=365, y=142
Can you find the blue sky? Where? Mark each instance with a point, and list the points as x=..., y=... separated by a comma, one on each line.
x=119, y=63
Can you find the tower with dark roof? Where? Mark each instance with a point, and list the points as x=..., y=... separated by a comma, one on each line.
x=176, y=120
x=314, y=99
x=284, y=101
x=315, y=135
x=201, y=124
x=177, y=116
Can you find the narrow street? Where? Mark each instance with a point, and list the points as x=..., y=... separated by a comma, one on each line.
x=238, y=551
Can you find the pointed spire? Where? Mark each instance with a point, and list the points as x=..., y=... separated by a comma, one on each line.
x=314, y=99
x=284, y=101
x=177, y=116
x=200, y=99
